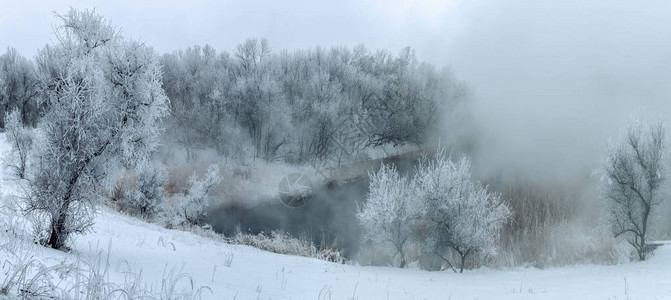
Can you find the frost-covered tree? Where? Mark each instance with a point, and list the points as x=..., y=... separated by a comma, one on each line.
x=441, y=208
x=19, y=87
x=459, y=212
x=632, y=180
x=252, y=54
x=258, y=102
x=104, y=101
x=21, y=139
x=389, y=213
x=194, y=204
x=147, y=195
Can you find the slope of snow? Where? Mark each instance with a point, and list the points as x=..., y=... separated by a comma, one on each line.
x=257, y=274
x=254, y=273
x=241, y=272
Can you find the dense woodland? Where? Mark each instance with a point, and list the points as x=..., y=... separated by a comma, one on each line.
x=303, y=105
x=295, y=106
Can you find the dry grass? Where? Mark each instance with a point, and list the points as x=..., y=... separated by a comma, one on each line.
x=283, y=243
x=553, y=225
x=28, y=277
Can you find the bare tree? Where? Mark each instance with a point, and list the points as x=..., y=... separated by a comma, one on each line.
x=104, y=103
x=632, y=179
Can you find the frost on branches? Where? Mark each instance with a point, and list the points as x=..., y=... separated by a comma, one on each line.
x=389, y=213
x=20, y=138
x=632, y=181
x=104, y=100
x=461, y=214
x=194, y=204
x=441, y=208
x=146, y=197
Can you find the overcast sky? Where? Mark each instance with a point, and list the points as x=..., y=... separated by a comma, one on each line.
x=175, y=24
x=550, y=79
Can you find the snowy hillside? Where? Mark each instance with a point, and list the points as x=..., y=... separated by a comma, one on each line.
x=126, y=247
x=256, y=274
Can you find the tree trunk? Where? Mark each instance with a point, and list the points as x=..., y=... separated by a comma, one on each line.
x=400, y=251
x=445, y=260
x=57, y=237
x=642, y=252
x=463, y=256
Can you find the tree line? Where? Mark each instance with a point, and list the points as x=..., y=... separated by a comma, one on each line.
x=296, y=106
x=303, y=105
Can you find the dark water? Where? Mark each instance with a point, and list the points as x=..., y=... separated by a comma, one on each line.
x=329, y=217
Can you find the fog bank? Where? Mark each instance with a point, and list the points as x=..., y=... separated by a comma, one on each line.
x=552, y=80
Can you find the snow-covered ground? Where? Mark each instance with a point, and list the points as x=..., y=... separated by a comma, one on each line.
x=242, y=272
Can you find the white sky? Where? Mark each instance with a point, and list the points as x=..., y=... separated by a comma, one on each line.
x=173, y=24
x=551, y=79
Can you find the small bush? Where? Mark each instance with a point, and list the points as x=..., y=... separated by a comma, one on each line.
x=146, y=196
x=191, y=206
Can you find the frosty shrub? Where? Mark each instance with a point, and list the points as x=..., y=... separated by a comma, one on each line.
x=21, y=140
x=390, y=211
x=632, y=181
x=194, y=204
x=460, y=214
x=146, y=196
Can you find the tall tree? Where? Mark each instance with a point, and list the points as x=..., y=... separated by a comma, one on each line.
x=632, y=180
x=105, y=101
